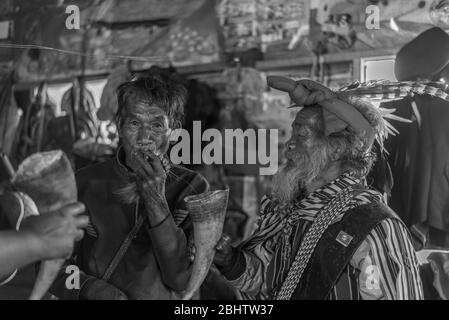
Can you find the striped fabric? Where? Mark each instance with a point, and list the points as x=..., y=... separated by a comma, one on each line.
x=386, y=268
x=385, y=90
x=393, y=254
x=91, y=231
x=180, y=215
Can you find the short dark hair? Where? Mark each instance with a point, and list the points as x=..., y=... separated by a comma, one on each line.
x=157, y=87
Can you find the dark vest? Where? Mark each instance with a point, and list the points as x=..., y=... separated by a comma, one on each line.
x=331, y=256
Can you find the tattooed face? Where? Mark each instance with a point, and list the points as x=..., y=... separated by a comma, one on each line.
x=306, y=154
x=145, y=128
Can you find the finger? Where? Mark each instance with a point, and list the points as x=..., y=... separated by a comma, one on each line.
x=281, y=83
x=142, y=174
x=146, y=167
x=315, y=97
x=224, y=241
x=318, y=90
x=79, y=235
x=158, y=167
x=315, y=86
x=155, y=163
x=308, y=92
x=146, y=164
x=221, y=245
x=73, y=209
x=82, y=221
x=305, y=96
x=300, y=95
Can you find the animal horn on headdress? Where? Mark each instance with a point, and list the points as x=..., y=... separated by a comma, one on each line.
x=48, y=179
x=208, y=212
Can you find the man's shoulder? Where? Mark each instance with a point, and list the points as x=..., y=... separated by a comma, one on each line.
x=373, y=210
x=380, y=218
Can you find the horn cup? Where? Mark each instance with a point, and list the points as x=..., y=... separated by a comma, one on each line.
x=49, y=180
x=208, y=211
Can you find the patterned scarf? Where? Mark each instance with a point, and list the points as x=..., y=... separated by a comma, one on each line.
x=279, y=222
x=383, y=90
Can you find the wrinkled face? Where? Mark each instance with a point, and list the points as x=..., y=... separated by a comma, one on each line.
x=306, y=155
x=145, y=128
x=306, y=135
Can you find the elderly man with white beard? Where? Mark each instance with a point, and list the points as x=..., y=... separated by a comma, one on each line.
x=323, y=233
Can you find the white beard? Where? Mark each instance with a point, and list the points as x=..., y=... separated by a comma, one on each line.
x=293, y=178
x=287, y=183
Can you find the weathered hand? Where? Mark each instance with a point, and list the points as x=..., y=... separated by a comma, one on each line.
x=151, y=178
x=303, y=92
x=224, y=251
x=150, y=181
x=56, y=232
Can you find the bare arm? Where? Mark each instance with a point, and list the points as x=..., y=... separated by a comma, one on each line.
x=170, y=247
x=169, y=241
x=17, y=250
x=42, y=237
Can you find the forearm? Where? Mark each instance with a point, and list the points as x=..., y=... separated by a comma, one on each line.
x=157, y=211
x=170, y=247
x=17, y=249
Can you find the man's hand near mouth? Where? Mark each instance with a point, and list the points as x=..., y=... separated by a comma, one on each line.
x=151, y=178
x=168, y=240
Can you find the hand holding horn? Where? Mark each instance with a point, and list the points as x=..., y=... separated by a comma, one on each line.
x=224, y=252
x=48, y=179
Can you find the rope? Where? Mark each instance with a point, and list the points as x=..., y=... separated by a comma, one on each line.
x=107, y=56
x=313, y=235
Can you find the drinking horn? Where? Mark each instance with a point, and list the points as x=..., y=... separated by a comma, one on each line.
x=208, y=212
x=48, y=179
